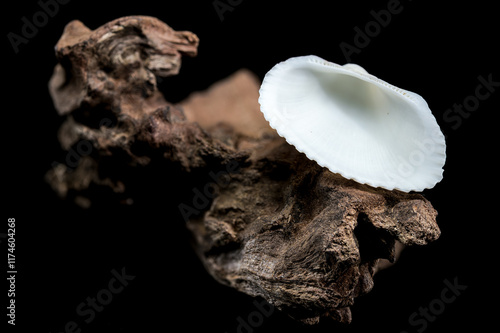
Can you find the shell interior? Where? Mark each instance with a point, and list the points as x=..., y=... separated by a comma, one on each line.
x=354, y=124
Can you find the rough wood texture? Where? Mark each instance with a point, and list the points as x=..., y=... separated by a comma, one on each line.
x=265, y=219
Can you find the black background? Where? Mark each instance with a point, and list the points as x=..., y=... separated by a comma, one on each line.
x=65, y=254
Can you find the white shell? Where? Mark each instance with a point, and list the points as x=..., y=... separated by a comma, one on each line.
x=354, y=124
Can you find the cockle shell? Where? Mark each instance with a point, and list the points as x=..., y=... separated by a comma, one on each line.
x=354, y=124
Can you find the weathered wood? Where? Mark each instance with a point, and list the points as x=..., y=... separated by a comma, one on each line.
x=265, y=220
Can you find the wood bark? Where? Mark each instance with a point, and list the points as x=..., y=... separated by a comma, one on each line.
x=265, y=220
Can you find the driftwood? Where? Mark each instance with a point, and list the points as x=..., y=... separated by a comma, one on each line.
x=265, y=220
